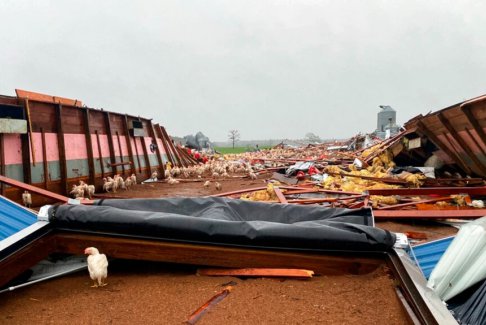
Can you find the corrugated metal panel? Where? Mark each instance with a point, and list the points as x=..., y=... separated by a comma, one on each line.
x=13, y=218
x=429, y=254
x=469, y=307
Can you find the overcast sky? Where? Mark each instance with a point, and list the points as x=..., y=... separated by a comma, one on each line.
x=271, y=69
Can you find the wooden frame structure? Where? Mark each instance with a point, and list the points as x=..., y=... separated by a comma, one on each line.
x=67, y=142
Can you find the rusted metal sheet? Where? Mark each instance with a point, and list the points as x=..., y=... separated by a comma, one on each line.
x=429, y=214
x=480, y=191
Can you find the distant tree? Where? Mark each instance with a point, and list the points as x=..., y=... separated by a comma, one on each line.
x=311, y=137
x=234, y=136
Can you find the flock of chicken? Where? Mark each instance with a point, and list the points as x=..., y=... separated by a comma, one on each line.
x=216, y=169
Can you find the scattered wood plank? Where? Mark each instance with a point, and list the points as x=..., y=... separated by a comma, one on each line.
x=257, y=272
x=196, y=316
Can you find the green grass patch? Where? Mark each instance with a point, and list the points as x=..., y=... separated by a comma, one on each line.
x=231, y=150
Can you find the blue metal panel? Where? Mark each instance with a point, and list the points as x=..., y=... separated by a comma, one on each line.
x=429, y=254
x=13, y=218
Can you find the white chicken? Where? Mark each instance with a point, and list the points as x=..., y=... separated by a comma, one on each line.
x=27, y=199
x=97, y=267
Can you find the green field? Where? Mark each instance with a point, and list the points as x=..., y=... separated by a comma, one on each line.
x=226, y=150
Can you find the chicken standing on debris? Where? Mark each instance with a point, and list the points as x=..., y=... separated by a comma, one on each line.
x=97, y=266
x=27, y=199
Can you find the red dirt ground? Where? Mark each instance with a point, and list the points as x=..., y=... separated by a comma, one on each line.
x=156, y=293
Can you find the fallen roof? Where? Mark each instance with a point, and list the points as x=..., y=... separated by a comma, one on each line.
x=459, y=132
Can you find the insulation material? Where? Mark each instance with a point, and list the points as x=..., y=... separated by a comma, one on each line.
x=464, y=262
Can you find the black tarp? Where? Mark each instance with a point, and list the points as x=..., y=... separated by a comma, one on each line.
x=215, y=220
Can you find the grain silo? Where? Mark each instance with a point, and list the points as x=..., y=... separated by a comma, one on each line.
x=387, y=118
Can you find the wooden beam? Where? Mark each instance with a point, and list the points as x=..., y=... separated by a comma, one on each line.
x=138, y=155
x=247, y=190
x=171, y=145
x=157, y=150
x=89, y=146
x=212, y=255
x=121, y=154
x=466, y=109
x=398, y=206
x=33, y=189
x=452, y=144
x=25, y=143
x=45, y=166
x=2, y=162
x=281, y=197
x=62, y=149
x=110, y=140
x=445, y=122
x=129, y=145
x=469, y=133
x=145, y=154
x=421, y=127
x=100, y=154
x=26, y=166
x=29, y=124
x=166, y=148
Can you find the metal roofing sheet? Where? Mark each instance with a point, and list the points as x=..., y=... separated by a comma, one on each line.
x=13, y=218
x=428, y=255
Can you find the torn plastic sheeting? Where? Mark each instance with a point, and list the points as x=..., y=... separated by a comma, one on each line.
x=301, y=165
x=224, y=221
x=464, y=262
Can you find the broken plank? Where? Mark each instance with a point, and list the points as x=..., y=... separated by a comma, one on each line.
x=257, y=272
x=196, y=316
